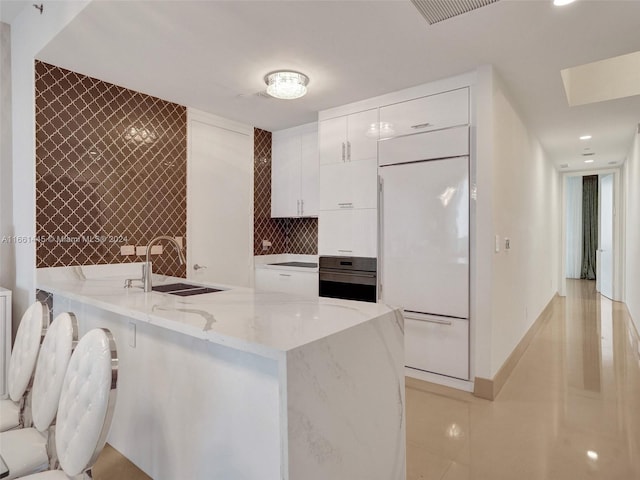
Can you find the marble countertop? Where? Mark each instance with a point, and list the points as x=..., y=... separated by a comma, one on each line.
x=265, y=323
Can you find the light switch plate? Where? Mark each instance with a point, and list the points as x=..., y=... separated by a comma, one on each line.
x=179, y=240
x=497, y=246
x=128, y=250
x=141, y=250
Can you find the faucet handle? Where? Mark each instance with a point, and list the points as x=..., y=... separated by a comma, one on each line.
x=128, y=283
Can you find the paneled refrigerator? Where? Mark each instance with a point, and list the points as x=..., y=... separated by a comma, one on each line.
x=424, y=246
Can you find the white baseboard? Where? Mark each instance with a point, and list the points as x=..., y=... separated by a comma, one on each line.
x=464, y=385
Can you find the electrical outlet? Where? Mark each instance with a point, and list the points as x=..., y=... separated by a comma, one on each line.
x=140, y=251
x=497, y=246
x=128, y=250
x=156, y=249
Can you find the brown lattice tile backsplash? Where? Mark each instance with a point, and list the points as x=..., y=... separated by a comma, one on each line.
x=110, y=171
x=287, y=235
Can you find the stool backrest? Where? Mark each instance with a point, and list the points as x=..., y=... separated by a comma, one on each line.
x=87, y=401
x=55, y=352
x=25, y=349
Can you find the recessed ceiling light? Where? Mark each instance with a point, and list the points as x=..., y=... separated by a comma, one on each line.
x=561, y=3
x=585, y=137
x=286, y=84
x=592, y=455
x=589, y=161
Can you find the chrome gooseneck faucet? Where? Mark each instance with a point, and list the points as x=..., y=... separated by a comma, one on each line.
x=146, y=267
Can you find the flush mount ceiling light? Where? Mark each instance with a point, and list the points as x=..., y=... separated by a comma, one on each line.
x=585, y=137
x=286, y=84
x=560, y=3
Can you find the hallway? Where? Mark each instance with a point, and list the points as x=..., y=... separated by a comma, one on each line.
x=570, y=410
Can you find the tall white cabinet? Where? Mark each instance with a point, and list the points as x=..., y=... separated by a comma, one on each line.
x=294, y=172
x=5, y=345
x=348, y=147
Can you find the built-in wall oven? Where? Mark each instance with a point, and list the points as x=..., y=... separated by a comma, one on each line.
x=350, y=278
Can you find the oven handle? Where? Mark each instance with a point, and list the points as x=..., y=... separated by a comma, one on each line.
x=348, y=274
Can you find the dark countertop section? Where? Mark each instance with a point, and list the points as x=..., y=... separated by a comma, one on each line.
x=296, y=264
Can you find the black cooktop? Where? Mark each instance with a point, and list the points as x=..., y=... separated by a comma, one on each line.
x=296, y=264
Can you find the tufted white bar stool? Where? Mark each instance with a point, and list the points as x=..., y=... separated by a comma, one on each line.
x=22, y=363
x=25, y=450
x=86, y=405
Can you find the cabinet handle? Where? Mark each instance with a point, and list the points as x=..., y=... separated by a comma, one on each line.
x=421, y=125
x=301, y=207
x=298, y=210
x=285, y=275
x=343, y=149
x=345, y=251
x=346, y=205
x=348, y=150
x=430, y=320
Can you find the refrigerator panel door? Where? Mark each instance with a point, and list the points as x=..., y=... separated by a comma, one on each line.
x=425, y=237
x=437, y=345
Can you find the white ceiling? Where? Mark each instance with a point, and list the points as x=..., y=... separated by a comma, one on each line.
x=213, y=55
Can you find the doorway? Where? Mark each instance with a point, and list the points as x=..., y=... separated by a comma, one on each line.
x=600, y=238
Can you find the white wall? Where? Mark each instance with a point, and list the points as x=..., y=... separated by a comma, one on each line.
x=30, y=32
x=525, y=207
x=7, y=268
x=631, y=174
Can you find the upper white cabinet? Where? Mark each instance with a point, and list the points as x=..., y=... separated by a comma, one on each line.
x=432, y=112
x=349, y=138
x=294, y=172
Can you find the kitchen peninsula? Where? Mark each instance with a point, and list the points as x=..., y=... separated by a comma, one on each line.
x=239, y=384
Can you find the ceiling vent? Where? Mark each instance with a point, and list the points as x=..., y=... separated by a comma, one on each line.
x=435, y=11
x=588, y=154
x=564, y=165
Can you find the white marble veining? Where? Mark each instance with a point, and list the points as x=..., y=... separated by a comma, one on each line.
x=246, y=385
x=264, y=323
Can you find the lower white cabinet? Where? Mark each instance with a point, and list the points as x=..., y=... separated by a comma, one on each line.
x=437, y=344
x=350, y=233
x=287, y=281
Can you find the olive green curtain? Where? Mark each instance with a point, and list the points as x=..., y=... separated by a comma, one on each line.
x=589, y=226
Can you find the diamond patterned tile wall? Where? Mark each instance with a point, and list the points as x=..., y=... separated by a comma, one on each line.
x=287, y=235
x=110, y=171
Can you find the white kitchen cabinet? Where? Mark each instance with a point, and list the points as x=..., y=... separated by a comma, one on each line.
x=348, y=232
x=432, y=112
x=349, y=185
x=5, y=346
x=295, y=282
x=350, y=138
x=294, y=172
x=437, y=344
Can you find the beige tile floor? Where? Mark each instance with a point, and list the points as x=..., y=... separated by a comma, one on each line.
x=569, y=411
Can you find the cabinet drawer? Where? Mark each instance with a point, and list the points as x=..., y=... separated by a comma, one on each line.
x=427, y=113
x=287, y=281
x=349, y=185
x=451, y=142
x=437, y=344
x=351, y=233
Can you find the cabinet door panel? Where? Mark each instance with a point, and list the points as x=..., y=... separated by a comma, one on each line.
x=309, y=184
x=348, y=232
x=362, y=144
x=349, y=185
x=427, y=113
x=332, y=140
x=285, y=174
x=437, y=344
x=287, y=281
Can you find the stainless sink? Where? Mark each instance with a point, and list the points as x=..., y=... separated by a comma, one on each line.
x=184, y=289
